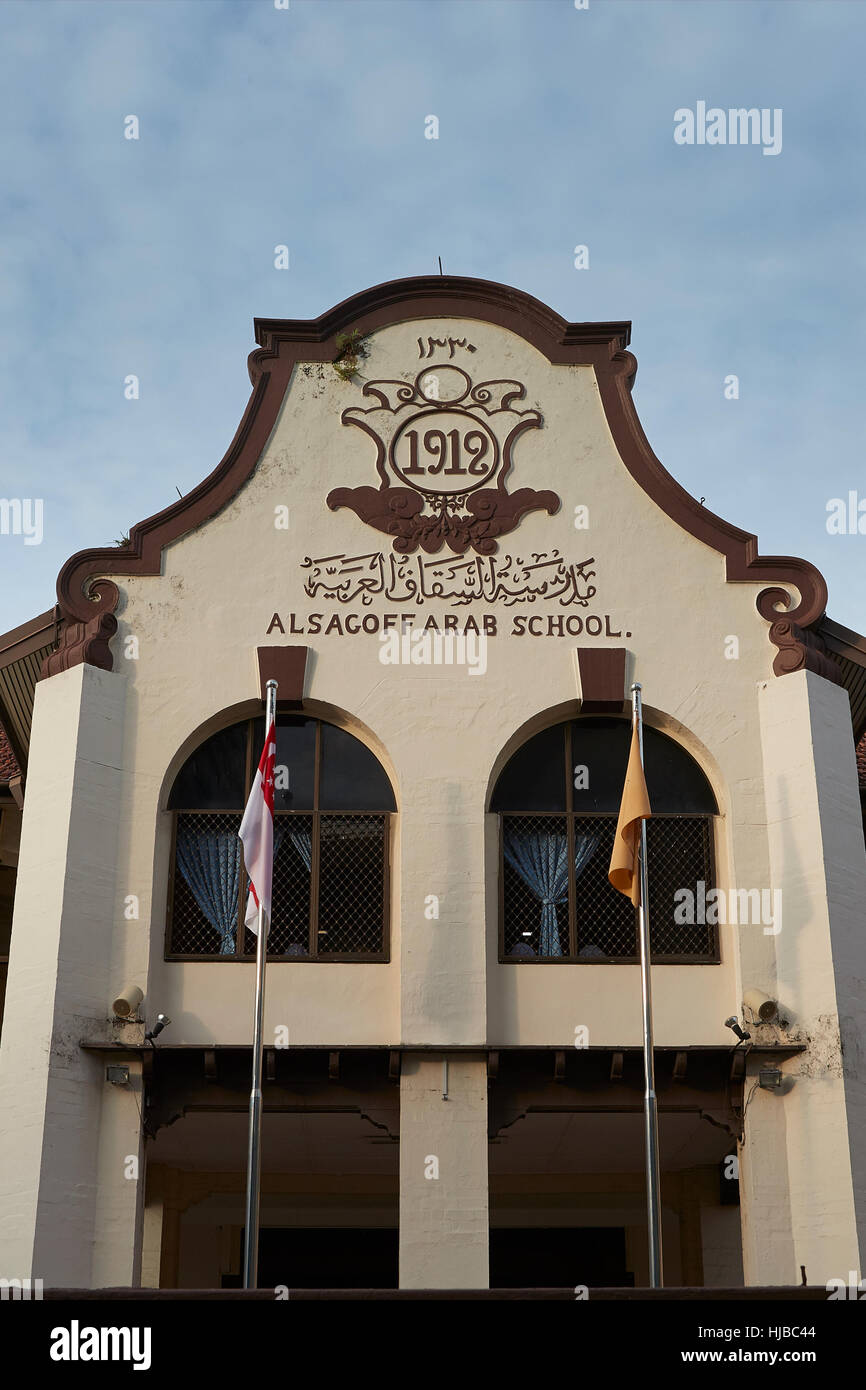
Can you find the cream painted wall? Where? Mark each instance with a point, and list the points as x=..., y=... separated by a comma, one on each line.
x=199, y=623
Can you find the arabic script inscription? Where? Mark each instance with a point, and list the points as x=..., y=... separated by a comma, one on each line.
x=410, y=579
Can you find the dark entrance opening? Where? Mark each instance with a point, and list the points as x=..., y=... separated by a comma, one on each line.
x=303, y=1258
x=558, y=1258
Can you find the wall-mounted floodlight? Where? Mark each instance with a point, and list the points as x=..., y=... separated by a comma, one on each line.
x=734, y=1025
x=162, y=1021
x=770, y=1079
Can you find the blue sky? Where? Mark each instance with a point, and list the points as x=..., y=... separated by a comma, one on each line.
x=306, y=127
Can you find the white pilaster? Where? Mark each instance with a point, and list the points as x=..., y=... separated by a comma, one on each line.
x=805, y=1150
x=61, y=1204
x=443, y=1172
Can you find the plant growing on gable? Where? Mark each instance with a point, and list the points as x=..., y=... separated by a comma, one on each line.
x=351, y=349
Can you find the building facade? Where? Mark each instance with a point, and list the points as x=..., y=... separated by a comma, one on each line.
x=441, y=528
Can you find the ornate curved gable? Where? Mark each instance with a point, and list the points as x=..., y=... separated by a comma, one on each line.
x=443, y=458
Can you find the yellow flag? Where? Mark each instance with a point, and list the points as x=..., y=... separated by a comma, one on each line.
x=624, y=872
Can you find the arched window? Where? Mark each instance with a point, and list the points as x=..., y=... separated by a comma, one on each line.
x=332, y=807
x=558, y=799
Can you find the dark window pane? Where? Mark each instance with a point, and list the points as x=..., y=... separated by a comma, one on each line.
x=351, y=884
x=208, y=877
x=678, y=853
x=295, y=762
x=600, y=746
x=674, y=780
x=293, y=849
x=212, y=778
x=533, y=779
x=352, y=778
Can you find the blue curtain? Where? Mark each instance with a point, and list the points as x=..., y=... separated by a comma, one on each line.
x=210, y=861
x=540, y=858
x=584, y=848
x=300, y=837
x=302, y=840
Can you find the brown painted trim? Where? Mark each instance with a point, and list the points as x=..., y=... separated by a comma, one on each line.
x=28, y=637
x=798, y=648
x=287, y=666
x=601, y=672
x=83, y=642
x=842, y=640
x=849, y=646
x=86, y=589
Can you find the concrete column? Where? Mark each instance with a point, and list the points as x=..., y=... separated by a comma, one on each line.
x=118, y=1217
x=443, y=1172
x=56, y=1171
x=151, y=1242
x=443, y=982
x=803, y=1166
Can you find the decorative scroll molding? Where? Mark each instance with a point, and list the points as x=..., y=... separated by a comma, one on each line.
x=798, y=648
x=445, y=438
x=86, y=591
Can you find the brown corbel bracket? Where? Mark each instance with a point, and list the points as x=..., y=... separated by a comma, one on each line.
x=83, y=642
x=88, y=595
x=799, y=649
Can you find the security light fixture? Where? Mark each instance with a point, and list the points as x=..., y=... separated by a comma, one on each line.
x=162, y=1021
x=734, y=1026
x=770, y=1079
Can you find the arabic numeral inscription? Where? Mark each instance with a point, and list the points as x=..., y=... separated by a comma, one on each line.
x=448, y=447
x=477, y=450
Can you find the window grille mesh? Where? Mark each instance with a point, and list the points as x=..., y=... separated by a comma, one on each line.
x=605, y=923
x=526, y=934
x=209, y=884
x=206, y=877
x=290, y=933
x=678, y=855
x=351, y=884
x=606, y=920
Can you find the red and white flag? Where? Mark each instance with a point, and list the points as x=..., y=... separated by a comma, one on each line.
x=257, y=836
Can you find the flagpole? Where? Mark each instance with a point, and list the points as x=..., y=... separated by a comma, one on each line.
x=651, y=1118
x=254, y=1154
